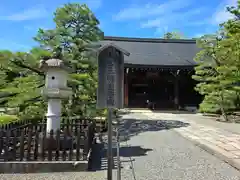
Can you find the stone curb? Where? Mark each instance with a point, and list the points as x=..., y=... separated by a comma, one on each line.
x=139, y=111
x=232, y=162
x=42, y=166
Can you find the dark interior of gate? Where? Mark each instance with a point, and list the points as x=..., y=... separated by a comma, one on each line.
x=165, y=88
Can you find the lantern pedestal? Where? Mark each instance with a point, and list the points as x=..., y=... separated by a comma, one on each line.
x=54, y=114
x=54, y=97
x=55, y=90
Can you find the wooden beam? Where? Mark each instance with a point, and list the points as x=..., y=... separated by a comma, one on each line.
x=176, y=74
x=126, y=88
x=158, y=67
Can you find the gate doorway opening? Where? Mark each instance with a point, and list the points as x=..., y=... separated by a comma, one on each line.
x=166, y=89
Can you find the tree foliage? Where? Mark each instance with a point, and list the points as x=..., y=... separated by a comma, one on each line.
x=76, y=27
x=23, y=83
x=173, y=35
x=21, y=80
x=218, y=70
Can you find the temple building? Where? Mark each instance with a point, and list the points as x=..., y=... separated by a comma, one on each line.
x=158, y=70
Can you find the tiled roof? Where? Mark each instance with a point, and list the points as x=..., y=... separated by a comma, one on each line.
x=152, y=52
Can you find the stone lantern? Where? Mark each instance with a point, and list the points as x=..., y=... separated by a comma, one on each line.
x=55, y=90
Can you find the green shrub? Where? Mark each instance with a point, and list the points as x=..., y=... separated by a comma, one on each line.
x=6, y=119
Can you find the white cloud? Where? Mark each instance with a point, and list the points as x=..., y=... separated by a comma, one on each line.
x=173, y=14
x=221, y=15
x=173, y=20
x=176, y=14
x=27, y=14
x=149, y=10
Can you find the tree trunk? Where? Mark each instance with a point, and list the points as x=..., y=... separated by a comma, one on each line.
x=224, y=115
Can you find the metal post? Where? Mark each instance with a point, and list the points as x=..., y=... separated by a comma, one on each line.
x=118, y=154
x=110, y=156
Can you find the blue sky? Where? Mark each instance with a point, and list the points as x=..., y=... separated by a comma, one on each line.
x=20, y=19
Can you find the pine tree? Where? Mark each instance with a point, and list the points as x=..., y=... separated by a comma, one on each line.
x=23, y=84
x=205, y=73
x=230, y=72
x=76, y=27
x=218, y=68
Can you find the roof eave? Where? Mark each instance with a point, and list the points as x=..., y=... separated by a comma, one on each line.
x=125, y=52
x=151, y=40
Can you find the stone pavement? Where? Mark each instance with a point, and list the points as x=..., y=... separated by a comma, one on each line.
x=217, y=141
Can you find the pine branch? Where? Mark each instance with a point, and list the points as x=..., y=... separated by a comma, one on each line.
x=28, y=67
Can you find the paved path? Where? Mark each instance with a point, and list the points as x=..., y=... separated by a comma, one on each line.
x=213, y=137
x=160, y=153
x=157, y=152
x=204, y=120
x=211, y=121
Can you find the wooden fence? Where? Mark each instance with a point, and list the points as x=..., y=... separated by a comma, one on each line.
x=29, y=142
x=66, y=122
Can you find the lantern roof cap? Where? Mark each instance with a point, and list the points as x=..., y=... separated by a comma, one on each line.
x=53, y=63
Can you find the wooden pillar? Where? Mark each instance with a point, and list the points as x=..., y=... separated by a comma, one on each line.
x=126, y=88
x=176, y=89
x=176, y=95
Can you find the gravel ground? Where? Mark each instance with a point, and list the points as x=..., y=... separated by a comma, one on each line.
x=168, y=156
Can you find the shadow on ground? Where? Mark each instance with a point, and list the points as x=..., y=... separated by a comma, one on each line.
x=99, y=156
x=128, y=129
x=132, y=127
